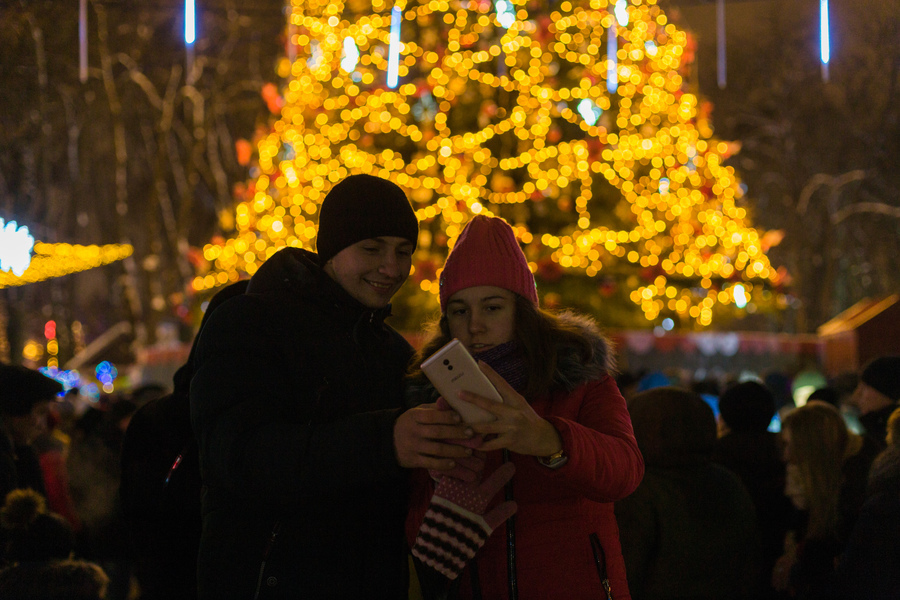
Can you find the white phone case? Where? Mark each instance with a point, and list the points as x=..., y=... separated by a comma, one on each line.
x=452, y=370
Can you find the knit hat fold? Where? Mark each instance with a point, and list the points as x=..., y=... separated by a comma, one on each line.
x=363, y=207
x=487, y=253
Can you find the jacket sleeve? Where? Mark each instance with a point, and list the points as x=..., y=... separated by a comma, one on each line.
x=604, y=463
x=254, y=417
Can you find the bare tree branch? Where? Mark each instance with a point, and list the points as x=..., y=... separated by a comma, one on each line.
x=142, y=80
x=877, y=208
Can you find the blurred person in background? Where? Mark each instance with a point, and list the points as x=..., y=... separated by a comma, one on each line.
x=29, y=532
x=827, y=469
x=161, y=488
x=746, y=447
x=876, y=396
x=56, y=580
x=52, y=447
x=25, y=397
x=689, y=530
x=94, y=467
x=870, y=566
x=37, y=548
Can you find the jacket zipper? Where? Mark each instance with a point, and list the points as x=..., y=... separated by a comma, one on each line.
x=265, y=557
x=600, y=560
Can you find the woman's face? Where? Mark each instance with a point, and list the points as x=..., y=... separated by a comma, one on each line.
x=482, y=317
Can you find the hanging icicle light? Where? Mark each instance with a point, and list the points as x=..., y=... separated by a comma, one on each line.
x=720, y=44
x=351, y=55
x=506, y=13
x=589, y=111
x=394, y=48
x=292, y=34
x=612, y=48
x=664, y=186
x=82, y=42
x=190, y=27
x=622, y=13
x=825, y=38
x=739, y=292
x=315, y=55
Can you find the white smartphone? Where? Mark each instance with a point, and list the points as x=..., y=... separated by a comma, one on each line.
x=452, y=370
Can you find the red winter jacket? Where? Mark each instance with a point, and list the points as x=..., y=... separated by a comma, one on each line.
x=559, y=509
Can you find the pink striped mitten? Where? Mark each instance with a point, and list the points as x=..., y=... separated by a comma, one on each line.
x=456, y=526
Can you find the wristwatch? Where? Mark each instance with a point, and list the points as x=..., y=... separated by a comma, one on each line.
x=555, y=460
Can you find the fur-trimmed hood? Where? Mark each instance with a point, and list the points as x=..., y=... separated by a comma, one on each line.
x=571, y=370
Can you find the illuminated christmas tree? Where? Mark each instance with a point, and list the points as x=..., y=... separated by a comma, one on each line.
x=568, y=119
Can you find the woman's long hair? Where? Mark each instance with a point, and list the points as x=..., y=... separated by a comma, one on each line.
x=820, y=442
x=540, y=334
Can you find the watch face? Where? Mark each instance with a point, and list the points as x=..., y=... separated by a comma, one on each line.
x=555, y=461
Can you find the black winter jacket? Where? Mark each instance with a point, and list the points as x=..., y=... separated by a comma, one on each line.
x=293, y=403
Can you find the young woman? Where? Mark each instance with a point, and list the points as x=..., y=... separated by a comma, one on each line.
x=827, y=466
x=563, y=423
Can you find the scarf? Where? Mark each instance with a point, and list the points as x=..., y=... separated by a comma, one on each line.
x=509, y=362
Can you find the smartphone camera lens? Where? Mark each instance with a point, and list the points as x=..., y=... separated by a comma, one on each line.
x=446, y=361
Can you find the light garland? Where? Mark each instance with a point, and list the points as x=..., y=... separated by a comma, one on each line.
x=561, y=137
x=56, y=260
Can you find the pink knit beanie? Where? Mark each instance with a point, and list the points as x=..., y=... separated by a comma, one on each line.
x=487, y=253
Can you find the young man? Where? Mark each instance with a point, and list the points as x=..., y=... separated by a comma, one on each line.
x=296, y=404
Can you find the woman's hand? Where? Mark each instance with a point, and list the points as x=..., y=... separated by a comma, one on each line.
x=517, y=427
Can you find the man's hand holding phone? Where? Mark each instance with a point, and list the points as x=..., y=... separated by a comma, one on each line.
x=430, y=438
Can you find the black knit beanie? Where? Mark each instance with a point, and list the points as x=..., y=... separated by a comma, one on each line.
x=21, y=388
x=883, y=375
x=747, y=406
x=362, y=207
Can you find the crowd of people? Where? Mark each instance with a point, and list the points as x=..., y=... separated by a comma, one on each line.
x=302, y=452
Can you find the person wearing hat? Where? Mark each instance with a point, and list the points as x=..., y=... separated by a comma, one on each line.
x=297, y=407
x=688, y=531
x=876, y=396
x=746, y=447
x=562, y=423
x=25, y=396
